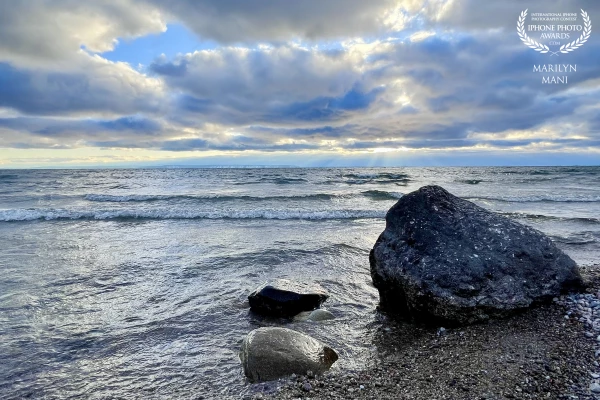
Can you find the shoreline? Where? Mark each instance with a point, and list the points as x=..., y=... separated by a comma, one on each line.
x=540, y=353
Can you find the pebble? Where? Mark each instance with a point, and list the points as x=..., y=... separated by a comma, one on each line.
x=585, y=307
x=307, y=387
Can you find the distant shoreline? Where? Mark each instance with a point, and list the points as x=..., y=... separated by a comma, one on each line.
x=176, y=167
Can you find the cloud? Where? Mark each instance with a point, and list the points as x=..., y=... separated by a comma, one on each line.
x=266, y=74
x=46, y=132
x=240, y=21
x=285, y=83
x=236, y=144
x=308, y=76
x=90, y=86
x=472, y=14
x=37, y=31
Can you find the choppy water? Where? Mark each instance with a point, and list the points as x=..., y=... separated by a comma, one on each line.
x=133, y=283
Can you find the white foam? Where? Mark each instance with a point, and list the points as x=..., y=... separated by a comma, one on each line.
x=126, y=198
x=159, y=214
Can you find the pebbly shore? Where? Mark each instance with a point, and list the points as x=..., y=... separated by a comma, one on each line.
x=549, y=352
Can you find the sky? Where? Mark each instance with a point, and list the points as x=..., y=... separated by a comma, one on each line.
x=117, y=83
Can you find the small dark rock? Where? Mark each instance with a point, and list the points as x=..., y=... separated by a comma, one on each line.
x=284, y=298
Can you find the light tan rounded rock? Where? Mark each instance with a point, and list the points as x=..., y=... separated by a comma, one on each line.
x=271, y=353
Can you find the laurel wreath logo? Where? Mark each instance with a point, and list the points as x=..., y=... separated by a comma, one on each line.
x=587, y=31
x=542, y=48
x=565, y=48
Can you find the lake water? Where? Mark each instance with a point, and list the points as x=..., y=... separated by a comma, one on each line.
x=134, y=283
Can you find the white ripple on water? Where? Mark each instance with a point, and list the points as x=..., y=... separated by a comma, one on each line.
x=163, y=213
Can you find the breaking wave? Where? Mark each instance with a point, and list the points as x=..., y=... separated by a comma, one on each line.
x=107, y=198
x=167, y=214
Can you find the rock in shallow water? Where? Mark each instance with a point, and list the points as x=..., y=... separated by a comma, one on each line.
x=444, y=259
x=315, y=316
x=271, y=353
x=284, y=298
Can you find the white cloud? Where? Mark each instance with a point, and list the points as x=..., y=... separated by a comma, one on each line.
x=267, y=74
x=456, y=79
x=421, y=35
x=33, y=32
x=472, y=14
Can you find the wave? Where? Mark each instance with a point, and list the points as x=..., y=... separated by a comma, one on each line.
x=378, y=175
x=470, y=181
x=571, y=242
x=277, y=181
x=166, y=214
x=381, y=195
x=536, y=199
x=529, y=171
x=542, y=217
x=132, y=197
x=382, y=177
x=108, y=198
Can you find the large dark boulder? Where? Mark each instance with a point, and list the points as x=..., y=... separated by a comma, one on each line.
x=442, y=259
x=284, y=298
x=271, y=353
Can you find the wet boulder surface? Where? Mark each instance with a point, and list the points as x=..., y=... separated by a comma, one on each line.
x=318, y=315
x=271, y=353
x=285, y=298
x=442, y=259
